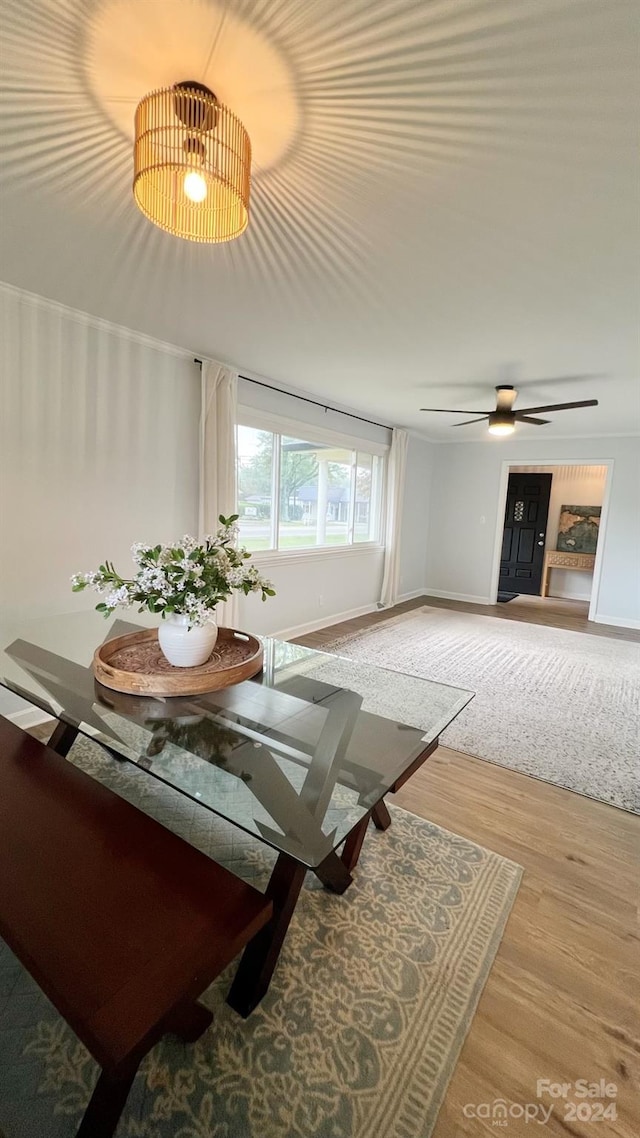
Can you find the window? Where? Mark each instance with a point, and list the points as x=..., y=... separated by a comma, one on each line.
x=300, y=493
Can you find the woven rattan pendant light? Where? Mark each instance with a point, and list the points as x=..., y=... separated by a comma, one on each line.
x=192, y=164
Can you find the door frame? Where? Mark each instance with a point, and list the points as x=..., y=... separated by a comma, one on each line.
x=604, y=517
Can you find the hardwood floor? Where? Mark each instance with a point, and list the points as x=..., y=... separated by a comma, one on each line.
x=551, y=611
x=561, y=1000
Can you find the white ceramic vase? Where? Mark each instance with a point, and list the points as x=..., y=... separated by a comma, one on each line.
x=186, y=647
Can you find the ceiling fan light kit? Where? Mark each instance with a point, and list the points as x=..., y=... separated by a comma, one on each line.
x=192, y=164
x=503, y=420
x=501, y=423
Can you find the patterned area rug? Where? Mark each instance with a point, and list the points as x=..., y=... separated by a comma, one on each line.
x=562, y=706
x=360, y=1031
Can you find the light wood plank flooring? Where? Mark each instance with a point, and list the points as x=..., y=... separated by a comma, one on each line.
x=551, y=611
x=561, y=1000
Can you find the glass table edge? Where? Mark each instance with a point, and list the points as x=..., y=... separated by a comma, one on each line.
x=377, y=667
x=111, y=744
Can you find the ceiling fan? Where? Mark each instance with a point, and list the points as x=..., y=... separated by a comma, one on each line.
x=503, y=420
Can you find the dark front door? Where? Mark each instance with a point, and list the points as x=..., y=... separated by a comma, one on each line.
x=525, y=528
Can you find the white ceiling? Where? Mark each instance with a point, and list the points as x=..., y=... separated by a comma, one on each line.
x=444, y=193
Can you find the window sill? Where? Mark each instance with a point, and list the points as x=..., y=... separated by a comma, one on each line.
x=322, y=553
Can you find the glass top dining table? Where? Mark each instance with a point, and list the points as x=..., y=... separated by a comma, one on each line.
x=295, y=756
x=300, y=757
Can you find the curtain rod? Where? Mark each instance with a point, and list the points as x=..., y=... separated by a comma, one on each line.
x=305, y=399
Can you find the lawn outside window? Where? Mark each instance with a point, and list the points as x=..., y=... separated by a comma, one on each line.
x=303, y=489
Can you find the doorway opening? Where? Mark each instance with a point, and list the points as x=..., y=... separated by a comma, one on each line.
x=550, y=534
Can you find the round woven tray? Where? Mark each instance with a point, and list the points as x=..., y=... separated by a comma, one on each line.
x=134, y=663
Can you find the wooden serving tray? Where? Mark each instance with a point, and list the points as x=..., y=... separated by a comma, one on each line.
x=134, y=663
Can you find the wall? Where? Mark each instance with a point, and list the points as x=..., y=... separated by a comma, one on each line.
x=575, y=486
x=465, y=505
x=315, y=589
x=96, y=450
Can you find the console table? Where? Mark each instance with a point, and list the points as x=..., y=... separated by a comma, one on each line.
x=557, y=559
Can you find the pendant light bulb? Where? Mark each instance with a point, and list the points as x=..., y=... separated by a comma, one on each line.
x=195, y=186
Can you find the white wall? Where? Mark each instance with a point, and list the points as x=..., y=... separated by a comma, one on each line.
x=261, y=397
x=575, y=486
x=97, y=450
x=315, y=589
x=465, y=506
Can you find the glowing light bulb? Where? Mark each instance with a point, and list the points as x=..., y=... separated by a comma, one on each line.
x=501, y=429
x=195, y=186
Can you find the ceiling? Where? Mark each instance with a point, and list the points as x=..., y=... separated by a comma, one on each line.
x=444, y=194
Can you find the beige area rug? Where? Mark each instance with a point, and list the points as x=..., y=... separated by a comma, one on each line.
x=360, y=1031
x=562, y=706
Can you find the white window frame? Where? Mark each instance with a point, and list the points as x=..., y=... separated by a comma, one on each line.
x=278, y=425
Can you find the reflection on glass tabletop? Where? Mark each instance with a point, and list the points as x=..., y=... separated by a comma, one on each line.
x=295, y=756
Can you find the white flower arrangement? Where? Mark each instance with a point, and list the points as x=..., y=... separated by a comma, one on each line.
x=188, y=578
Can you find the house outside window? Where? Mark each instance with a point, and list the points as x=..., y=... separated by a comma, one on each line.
x=297, y=493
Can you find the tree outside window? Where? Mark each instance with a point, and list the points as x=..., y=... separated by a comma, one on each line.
x=296, y=494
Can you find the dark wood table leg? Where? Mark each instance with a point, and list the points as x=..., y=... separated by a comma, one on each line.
x=63, y=738
x=189, y=1021
x=353, y=845
x=381, y=816
x=334, y=873
x=261, y=954
x=106, y=1105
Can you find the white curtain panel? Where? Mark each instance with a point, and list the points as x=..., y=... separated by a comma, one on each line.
x=395, y=499
x=218, y=459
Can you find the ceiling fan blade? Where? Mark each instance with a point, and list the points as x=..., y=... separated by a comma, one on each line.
x=468, y=422
x=450, y=411
x=528, y=419
x=559, y=379
x=506, y=397
x=558, y=406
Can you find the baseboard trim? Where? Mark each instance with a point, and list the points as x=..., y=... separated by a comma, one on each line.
x=322, y=622
x=28, y=717
x=564, y=596
x=616, y=621
x=410, y=596
x=443, y=594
